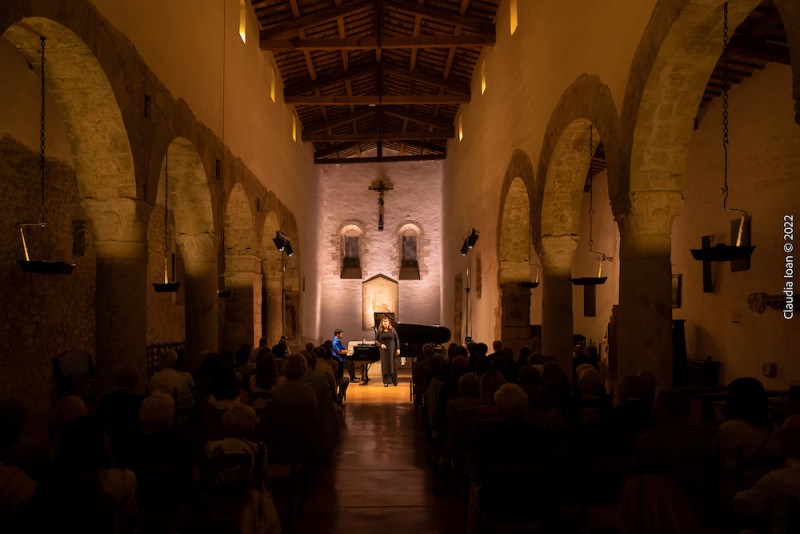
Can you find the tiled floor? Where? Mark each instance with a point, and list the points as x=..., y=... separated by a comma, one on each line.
x=380, y=477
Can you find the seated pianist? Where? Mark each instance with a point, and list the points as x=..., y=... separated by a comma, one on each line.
x=340, y=354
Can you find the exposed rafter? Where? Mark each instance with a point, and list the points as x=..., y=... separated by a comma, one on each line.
x=315, y=19
x=441, y=15
x=373, y=42
x=439, y=124
x=375, y=100
x=384, y=159
x=337, y=121
x=386, y=136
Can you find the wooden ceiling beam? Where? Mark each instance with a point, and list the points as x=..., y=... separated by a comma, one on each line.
x=422, y=119
x=333, y=149
x=330, y=80
x=384, y=159
x=310, y=129
x=427, y=78
x=425, y=146
x=373, y=43
x=385, y=136
x=442, y=15
x=315, y=19
x=375, y=100
x=756, y=48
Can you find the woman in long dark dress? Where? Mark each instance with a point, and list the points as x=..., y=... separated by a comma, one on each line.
x=390, y=347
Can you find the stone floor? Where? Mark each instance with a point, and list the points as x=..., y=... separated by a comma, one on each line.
x=380, y=477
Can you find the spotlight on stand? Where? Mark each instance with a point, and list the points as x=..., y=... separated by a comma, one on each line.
x=288, y=249
x=466, y=249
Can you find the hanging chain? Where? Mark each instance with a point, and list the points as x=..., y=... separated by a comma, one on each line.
x=591, y=178
x=725, y=61
x=166, y=204
x=42, y=131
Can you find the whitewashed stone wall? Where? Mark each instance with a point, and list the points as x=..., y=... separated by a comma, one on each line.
x=346, y=198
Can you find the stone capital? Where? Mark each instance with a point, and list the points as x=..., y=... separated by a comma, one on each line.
x=650, y=212
x=558, y=253
x=118, y=219
x=198, y=247
x=240, y=264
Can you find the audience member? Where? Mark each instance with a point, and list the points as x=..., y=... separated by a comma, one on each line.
x=170, y=381
x=119, y=410
x=16, y=487
x=779, y=485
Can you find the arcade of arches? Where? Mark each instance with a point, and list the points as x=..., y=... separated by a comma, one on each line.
x=143, y=113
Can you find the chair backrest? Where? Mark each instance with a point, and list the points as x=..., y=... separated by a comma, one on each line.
x=232, y=473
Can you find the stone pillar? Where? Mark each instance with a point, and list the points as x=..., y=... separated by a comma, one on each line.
x=243, y=279
x=274, y=307
x=558, y=253
x=200, y=277
x=645, y=287
x=120, y=230
x=515, y=329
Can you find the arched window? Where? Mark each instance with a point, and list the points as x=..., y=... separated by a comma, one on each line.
x=351, y=252
x=409, y=242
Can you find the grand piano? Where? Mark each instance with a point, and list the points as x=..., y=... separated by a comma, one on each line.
x=412, y=338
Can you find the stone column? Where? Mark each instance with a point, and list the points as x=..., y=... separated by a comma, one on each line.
x=243, y=279
x=120, y=230
x=274, y=305
x=200, y=269
x=515, y=329
x=645, y=286
x=558, y=253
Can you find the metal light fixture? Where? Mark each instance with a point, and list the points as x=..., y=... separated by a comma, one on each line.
x=466, y=250
x=600, y=256
x=535, y=283
x=283, y=243
x=721, y=251
x=38, y=266
x=167, y=286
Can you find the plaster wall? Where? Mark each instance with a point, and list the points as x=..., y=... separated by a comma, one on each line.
x=416, y=198
x=763, y=158
x=182, y=43
x=527, y=73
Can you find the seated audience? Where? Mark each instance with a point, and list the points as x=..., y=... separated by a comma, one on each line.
x=779, y=485
x=63, y=413
x=169, y=380
x=160, y=456
x=653, y=504
x=16, y=487
x=119, y=410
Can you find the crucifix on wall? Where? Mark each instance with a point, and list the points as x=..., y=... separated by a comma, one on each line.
x=381, y=187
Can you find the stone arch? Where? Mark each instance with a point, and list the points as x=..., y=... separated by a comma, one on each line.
x=563, y=164
x=789, y=11
x=272, y=269
x=514, y=257
x=669, y=73
x=242, y=271
x=192, y=212
x=350, y=228
x=105, y=173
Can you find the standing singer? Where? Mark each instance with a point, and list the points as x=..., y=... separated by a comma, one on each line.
x=389, y=343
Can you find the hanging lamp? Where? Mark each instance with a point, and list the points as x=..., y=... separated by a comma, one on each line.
x=535, y=283
x=721, y=251
x=167, y=286
x=39, y=266
x=592, y=280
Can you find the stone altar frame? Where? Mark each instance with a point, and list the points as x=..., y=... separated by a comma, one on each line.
x=379, y=294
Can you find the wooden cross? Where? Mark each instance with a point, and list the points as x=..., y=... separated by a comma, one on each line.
x=381, y=188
